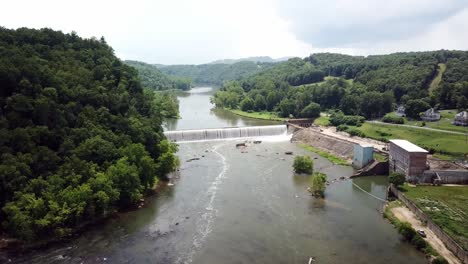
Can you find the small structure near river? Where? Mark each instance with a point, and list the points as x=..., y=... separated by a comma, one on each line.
x=363, y=154
x=407, y=158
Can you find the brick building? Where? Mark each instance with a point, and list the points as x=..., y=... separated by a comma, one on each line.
x=407, y=158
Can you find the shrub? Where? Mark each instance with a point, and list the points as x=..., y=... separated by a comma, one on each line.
x=355, y=132
x=439, y=260
x=342, y=128
x=406, y=230
x=396, y=179
x=303, y=164
x=394, y=119
x=383, y=133
x=338, y=118
x=317, y=184
x=419, y=242
x=311, y=111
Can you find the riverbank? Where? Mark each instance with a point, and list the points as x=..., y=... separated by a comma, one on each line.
x=398, y=214
x=13, y=245
x=334, y=159
x=257, y=115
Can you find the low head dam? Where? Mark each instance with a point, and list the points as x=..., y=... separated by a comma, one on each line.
x=225, y=133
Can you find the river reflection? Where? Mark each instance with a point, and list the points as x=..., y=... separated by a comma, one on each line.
x=197, y=112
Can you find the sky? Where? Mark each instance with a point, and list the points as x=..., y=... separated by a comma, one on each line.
x=200, y=31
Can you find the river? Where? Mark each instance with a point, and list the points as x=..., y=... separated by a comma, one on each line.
x=242, y=206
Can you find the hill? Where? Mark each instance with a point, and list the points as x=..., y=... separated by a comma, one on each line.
x=79, y=136
x=215, y=74
x=252, y=59
x=151, y=77
x=378, y=83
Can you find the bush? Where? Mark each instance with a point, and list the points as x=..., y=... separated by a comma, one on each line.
x=311, y=111
x=355, y=132
x=338, y=118
x=396, y=179
x=439, y=260
x=317, y=184
x=303, y=164
x=394, y=119
x=419, y=242
x=342, y=128
x=406, y=230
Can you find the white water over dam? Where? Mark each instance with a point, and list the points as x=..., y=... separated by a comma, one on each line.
x=225, y=133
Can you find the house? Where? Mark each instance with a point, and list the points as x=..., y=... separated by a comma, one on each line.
x=430, y=115
x=407, y=158
x=461, y=119
x=400, y=111
x=363, y=155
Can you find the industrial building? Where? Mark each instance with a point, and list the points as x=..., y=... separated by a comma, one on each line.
x=407, y=158
x=363, y=155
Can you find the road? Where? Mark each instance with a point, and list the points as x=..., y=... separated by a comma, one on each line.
x=417, y=127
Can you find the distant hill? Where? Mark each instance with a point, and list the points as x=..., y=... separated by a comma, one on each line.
x=151, y=77
x=252, y=59
x=215, y=73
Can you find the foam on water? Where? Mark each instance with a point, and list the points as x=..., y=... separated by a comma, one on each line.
x=225, y=133
x=205, y=222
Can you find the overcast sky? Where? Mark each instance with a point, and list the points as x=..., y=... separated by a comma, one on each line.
x=200, y=31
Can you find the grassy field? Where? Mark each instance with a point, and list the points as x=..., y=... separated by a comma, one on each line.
x=322, y=121
x=446, y=117
x=436, y=81
x=450, y=144
x=447, y=206
x=334, y=159
x=258, y=115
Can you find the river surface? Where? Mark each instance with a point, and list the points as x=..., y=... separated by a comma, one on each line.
x=242, y=206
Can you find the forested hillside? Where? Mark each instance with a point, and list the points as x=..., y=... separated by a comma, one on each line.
x=368, y=86
x=215, y=74
x=151, y=77
x=79, y=136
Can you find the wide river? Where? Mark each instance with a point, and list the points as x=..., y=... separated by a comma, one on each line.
x=242, y=206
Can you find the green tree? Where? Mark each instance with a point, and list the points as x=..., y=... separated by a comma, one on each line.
x=396, y=179
x=247, y=104
x=286, y=108
x=303, y=164
x=318, y=184
x=312, y=110
x=414, y=107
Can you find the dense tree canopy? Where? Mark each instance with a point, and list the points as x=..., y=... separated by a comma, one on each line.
x=367, y=86
x=151, y=77
x=79, y=136
x=215, y=74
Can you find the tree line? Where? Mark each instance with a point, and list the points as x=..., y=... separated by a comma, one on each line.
x=151, y=77
x=79, y=135
x=366, y=86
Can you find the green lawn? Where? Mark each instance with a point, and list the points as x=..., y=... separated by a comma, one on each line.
x=322, y=121
x=334, y=159
x=446, y=117
x=436, y=81
x=447, y=206
x=443, y=143
x=258, y=115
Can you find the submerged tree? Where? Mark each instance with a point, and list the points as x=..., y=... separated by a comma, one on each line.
x=303, y=164
x=317, y=184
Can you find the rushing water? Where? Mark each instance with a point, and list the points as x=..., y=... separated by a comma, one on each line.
x=244, y=205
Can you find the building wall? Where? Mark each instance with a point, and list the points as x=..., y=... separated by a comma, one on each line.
x=407, y=163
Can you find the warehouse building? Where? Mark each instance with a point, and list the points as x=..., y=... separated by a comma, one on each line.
x=407, y=158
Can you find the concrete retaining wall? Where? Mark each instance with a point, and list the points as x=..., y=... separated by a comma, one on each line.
x=323, y=142
x=444, y=177
x=451, y=244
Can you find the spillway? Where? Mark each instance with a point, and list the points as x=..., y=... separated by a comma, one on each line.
x=225, y=133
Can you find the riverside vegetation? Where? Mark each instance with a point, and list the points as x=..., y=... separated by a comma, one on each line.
x=80, y=137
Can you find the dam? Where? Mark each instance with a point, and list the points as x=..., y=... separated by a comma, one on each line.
x=225, y=133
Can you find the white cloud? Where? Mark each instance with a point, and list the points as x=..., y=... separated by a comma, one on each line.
x=189, y=31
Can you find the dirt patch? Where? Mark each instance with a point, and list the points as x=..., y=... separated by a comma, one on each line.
x=404, y=214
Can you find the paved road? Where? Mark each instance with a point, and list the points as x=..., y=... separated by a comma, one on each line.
x=417, y=127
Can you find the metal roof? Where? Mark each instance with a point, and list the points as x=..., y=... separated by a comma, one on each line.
x=408, y=146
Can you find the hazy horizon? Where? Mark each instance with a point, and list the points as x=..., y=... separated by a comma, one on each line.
x=197, y=32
